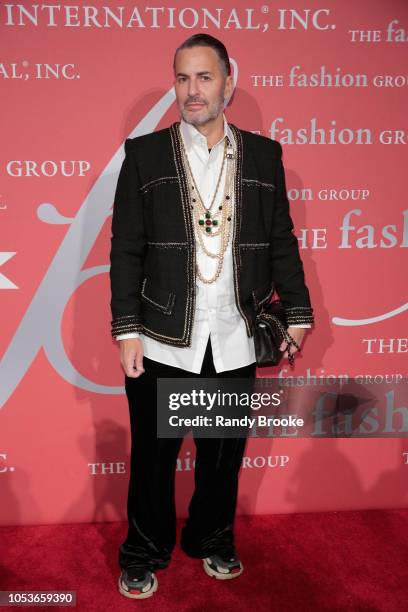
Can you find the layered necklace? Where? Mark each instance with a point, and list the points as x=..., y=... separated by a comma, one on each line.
x=213, y=220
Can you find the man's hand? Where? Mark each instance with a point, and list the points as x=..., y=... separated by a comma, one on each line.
x=297, y=334
x=131, y=357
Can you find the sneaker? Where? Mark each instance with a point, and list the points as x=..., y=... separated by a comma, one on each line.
x=223, y=568
x=137, y=584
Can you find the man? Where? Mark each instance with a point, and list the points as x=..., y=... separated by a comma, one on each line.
x=201, y=236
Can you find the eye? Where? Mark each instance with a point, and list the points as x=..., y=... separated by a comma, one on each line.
x=181, y=79
x=205, y=77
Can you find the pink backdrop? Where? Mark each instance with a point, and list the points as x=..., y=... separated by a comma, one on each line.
x=64, y=420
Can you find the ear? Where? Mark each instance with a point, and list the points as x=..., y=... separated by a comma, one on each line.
x=229, y=87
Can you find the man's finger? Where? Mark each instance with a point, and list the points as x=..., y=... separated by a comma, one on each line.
x=131, y=371
x=286, y=355
x=139, y=363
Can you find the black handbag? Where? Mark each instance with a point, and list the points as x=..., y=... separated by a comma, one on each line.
x=269, y=332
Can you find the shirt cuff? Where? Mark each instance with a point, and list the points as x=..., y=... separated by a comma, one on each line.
x=305, y=325
x=129, y=335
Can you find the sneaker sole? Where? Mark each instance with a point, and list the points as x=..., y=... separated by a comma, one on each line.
x=141, y=595
x=210, y=572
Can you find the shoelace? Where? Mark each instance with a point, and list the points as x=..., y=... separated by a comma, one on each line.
x=137, y=573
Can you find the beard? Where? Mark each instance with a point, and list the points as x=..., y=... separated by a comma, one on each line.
x=204, y=115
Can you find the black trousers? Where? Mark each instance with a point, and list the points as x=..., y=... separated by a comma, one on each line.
x=151, y=498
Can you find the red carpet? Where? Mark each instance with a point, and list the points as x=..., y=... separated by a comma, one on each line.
x=317, y=561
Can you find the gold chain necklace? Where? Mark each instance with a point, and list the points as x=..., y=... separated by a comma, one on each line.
x=208, y=221
x=223, y=225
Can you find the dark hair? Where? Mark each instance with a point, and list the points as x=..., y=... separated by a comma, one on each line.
x=205, y=40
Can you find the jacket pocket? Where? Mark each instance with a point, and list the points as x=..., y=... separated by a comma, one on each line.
x=158, y=298
x=262, y=295
x=256, y=183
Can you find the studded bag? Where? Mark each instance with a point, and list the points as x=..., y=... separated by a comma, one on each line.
x=269, y=332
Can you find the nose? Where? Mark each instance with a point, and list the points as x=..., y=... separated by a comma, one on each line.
x=192, y=88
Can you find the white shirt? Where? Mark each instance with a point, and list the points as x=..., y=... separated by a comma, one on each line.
x=216, y=314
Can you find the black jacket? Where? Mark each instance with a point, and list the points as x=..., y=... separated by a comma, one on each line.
x=152, y=256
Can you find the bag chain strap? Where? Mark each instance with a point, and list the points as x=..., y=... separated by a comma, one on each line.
x=288, y=338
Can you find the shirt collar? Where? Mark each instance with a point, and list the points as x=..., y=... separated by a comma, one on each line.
x=192, y=136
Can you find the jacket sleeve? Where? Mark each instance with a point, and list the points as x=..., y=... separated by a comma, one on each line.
x=286, y=264
x=127, y=248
